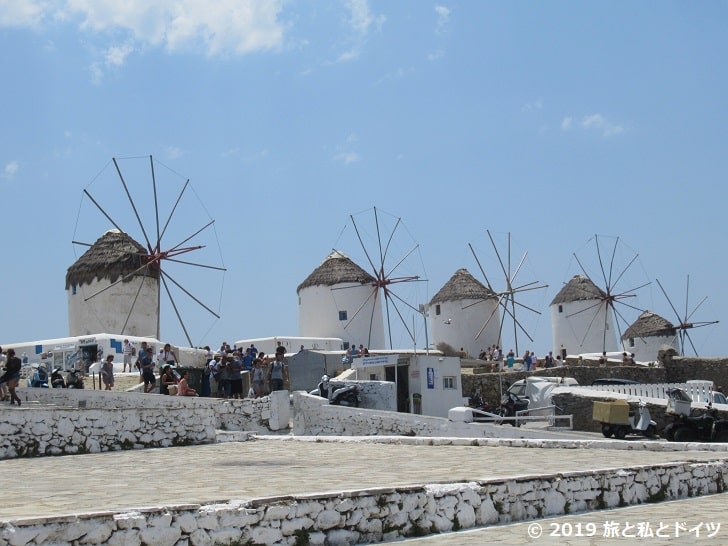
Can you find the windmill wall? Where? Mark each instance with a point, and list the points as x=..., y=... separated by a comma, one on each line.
x=459, y=321
x=321, y=308
x=579, y=327
x=646, y=348
x=108, y=311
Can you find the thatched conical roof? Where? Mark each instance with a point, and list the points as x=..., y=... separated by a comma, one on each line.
x=335, y=269
x=649, y=324
x=114, y=255
x=579, y=288
x=462, y=286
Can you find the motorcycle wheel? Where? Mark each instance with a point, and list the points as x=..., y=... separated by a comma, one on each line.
x=650, y=431
x=607, y=430
x=669, y=432
x=721, y=436
x=685, y=434
x=620, y=432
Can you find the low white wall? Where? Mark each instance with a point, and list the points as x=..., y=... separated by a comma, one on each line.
x=66, y=421
x=313, y=416
x=375, y=515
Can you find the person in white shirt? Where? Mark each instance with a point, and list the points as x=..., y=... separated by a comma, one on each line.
x=127, y=350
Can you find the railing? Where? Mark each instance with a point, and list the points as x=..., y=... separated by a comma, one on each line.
x=524, y=416
x=700, y=392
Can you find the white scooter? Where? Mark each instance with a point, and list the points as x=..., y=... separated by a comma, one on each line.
x=639, y=422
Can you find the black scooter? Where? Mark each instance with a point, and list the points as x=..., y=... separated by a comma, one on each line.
x=511, y=404
x=705, y=426
x=338, y=394
x=57, y=381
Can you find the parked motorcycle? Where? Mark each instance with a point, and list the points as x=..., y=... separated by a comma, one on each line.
x=511, y=405
x=338, y=394
x=705, y=426
x=57, y=381
x=40, y=378
x=74, y=380
x=639, y=422
x=476, y=401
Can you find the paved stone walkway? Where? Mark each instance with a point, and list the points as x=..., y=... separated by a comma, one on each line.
x=112, y=481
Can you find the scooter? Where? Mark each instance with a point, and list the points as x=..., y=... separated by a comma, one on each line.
x=639, y=422
x=511, y=405
x=74, y=379
x=476, y=401
x=700, y=427
x=39, y=379
x=57, y=381
x=338, y=395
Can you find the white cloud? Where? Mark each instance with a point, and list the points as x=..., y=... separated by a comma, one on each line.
x=594, y=122
x=22, y=13
x=11, y=169
x=536, y=105
x=439, y=54
x=347, y=158
x=443, y=18
x=360, y=22
x=219, y=27
x=116, y=55
x=597, y=121
x=173, y=152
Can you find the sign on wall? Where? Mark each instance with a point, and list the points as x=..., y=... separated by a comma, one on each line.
x=430, y=378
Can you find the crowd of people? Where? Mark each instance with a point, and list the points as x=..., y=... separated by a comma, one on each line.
x=222, y=375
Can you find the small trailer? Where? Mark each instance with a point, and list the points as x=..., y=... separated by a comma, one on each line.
x=617, y=420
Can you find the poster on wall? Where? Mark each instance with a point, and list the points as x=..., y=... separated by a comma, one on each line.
x=430, y=378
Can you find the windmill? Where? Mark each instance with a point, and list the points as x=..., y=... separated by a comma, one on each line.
x=592, y=312
x=394, y=265
x=508, y=298
x=685, y=321
x=166, y=230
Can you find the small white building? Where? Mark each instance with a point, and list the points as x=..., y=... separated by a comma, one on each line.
x=341, y=300
x=130, y=306
x=81, y=351
x=647, y=335
x=459, y=312
x=425, y=384
x=581, y=321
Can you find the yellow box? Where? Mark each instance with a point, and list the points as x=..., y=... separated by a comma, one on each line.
x=616, y=412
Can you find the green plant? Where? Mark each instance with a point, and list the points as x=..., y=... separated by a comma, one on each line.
x=303, y=537
x=456, y=523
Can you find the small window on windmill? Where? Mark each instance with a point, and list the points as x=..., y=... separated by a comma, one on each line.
x=73, y=290
x=631, y=342
x=437, y=309
x=342, y=315
x=561, y=308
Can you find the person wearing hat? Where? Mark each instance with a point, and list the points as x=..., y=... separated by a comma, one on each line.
x=107, y=372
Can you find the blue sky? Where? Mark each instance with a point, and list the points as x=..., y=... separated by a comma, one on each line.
x=551, y=121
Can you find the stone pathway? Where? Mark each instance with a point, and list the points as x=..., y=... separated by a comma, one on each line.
x=113, y=481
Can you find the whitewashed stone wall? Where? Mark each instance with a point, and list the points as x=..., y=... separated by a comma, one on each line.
x=313, y=416
x=375, y=515
x=67, y=421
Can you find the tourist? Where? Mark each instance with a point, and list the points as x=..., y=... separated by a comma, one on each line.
x=147, y=364
x=510, y=360
x=548, y=361
x=3, y=387
x=12, y=375
x=235, y=380
x=140, y=356
x=128, y=351
x=107, y=372
x=168, y=356
x=183, y=388
x=258, y=378
x=215, y=368
x=280, y=349
x=248, y=360
x=167, y=380
x=277, y=374
x=223, y=378
x=527, y=361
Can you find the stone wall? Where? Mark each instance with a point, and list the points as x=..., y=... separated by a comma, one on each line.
x=375, y=515
x=67, y=421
